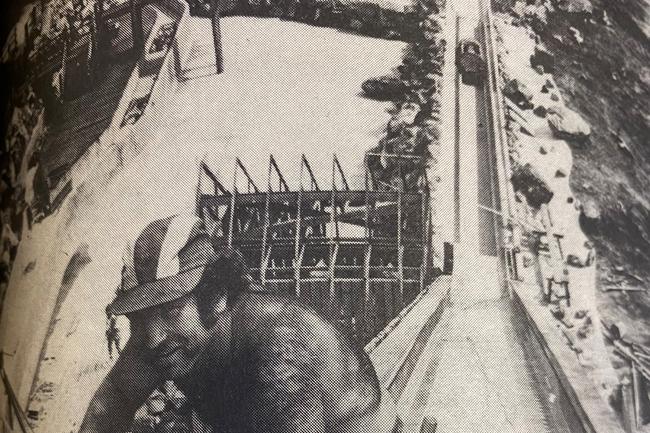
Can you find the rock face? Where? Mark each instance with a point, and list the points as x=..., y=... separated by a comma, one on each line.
x=518, y=92
x=567, y=124
x=386, y=88
x=530, y=182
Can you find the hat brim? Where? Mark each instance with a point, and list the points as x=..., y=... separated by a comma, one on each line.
x=156, y=292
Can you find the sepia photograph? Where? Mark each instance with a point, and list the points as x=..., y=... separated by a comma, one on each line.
x=325, y=216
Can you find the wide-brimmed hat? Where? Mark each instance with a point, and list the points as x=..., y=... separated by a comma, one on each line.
x=166, y=262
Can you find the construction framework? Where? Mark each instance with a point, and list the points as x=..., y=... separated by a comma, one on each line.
x=357, y=256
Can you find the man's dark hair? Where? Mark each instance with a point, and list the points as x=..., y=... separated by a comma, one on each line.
x=227, y=274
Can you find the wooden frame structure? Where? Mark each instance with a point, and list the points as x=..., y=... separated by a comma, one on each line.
x=357, y=256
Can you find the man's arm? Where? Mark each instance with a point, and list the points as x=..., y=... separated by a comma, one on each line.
x=121, y=393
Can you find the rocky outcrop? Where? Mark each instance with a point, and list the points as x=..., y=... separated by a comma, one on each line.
x=529, y=181
x=413, y=128
x=576, y=6
x=566, y=124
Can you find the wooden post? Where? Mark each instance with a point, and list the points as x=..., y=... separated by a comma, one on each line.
x=64, y=65
x=297, y=250
x=267, y=209
x=368, y=323
x=333, y=299
x=99, y=25
x=233, y=203
x=400, y=255
x=425, y=238
x=641, y=401
x=298, y=215
x=216, y=35
x=367, y=204
x=628, y=405
x=136, y=26
x=297, y=270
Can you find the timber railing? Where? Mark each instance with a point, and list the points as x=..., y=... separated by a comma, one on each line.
x=496, y=116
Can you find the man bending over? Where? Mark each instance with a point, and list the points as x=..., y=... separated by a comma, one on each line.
x=248, y=361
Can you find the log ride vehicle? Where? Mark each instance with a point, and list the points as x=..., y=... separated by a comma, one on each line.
x=470, y=63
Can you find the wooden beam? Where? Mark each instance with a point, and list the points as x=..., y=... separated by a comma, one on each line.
x=400, y=254
x=136, y=26
x=251, y=183
x=298, y=269
x=281, y=181
x=337, y=165
x=216, y=35
x=368, y=321
x=233, y=204
x=314, y=183
x=333, y=299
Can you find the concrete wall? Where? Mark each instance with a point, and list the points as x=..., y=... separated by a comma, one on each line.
x=559, y=371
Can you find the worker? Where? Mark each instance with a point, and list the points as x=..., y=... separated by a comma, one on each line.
x=112, y=334
x=246, y=360
x=559, y=278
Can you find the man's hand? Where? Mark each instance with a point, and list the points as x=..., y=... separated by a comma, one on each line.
x=123, y=391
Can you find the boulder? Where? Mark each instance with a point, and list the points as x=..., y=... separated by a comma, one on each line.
x=575, y=261
x=403, y=143
x=429, y=132
x=404, y=117
x=386, y=88
x=540, y=110
x=539, y=69
x=567, y=124
x=560, y=172
x=577, y=36
x=530, y=182
x=555, y=97
x=590, y=214
x=528, y=260
x=576, y=6
x=519, y=9
x=356, y=25
x=518, y=92
x=542, y=57
x=591, y=209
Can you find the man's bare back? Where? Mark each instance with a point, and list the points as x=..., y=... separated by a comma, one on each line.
x=289, y=369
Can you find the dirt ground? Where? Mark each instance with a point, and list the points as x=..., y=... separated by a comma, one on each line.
x=606, y=78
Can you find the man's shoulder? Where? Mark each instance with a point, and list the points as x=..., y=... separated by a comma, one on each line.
x=263, y=314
